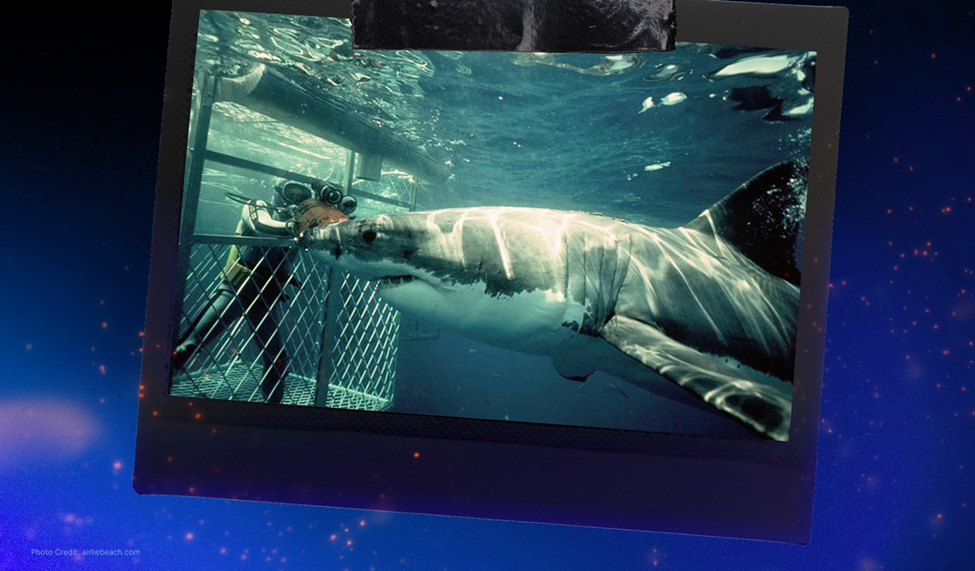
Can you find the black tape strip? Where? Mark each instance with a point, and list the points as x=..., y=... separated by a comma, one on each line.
x=515, y=25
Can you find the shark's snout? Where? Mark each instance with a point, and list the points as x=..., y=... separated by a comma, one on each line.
x=323, y=240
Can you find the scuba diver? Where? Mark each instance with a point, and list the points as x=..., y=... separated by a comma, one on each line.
x=254, y=278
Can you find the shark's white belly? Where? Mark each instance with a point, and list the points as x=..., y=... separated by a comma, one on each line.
x=528, y=322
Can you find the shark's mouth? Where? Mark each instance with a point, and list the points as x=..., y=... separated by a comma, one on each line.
x=386, y=282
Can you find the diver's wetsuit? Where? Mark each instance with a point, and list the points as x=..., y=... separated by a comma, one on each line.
x=251, y=285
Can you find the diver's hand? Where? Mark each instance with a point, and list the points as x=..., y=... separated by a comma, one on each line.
x=304, y=241
x=292, y=227
x=309, y=239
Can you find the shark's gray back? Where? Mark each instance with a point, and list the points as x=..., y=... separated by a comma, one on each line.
x=701, y=291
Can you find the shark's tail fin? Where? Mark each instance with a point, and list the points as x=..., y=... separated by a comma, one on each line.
x=763, y=218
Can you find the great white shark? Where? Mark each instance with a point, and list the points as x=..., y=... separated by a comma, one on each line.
x=711, y=306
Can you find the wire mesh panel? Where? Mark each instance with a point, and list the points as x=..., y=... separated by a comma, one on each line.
x=259, y=320
x=360, y=340
x=254, y=328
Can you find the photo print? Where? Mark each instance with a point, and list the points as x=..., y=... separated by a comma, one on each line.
x=576, y=239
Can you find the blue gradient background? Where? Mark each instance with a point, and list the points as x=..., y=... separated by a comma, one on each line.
x=80, y=107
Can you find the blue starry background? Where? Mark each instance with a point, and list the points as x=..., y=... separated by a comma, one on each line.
x=80, y=109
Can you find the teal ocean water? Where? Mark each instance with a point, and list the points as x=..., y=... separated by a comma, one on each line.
x=653, y=138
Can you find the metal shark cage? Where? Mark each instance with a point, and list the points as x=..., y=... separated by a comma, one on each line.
x=339, y=339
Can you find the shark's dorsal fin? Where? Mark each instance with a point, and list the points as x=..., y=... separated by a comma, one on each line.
x=763, y=219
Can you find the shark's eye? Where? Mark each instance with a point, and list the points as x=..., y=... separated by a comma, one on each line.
x=369, y=236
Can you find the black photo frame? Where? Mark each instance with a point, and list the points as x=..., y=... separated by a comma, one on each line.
x=487, y=468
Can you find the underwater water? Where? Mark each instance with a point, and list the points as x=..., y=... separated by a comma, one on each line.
x=653, y=139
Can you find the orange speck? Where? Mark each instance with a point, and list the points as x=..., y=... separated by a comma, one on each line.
x=416, y=454
x=104, y=324
x=192, y=489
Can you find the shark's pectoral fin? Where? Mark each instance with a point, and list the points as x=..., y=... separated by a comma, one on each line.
x=760, y=407
x=572, y=368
